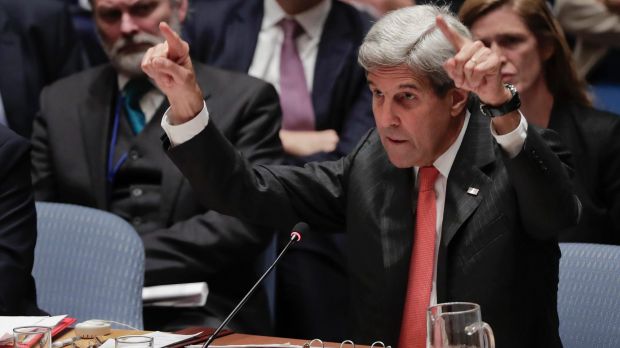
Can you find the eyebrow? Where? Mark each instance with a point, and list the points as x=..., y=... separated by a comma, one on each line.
x=401, y=86
x=409, y=85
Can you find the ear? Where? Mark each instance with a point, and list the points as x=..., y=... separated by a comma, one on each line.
x=546, y=50
x=182, y=11
x=459, y=99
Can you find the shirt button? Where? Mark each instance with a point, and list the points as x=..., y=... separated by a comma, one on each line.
x=136, y=192
x=134, y=155
x=136, y=220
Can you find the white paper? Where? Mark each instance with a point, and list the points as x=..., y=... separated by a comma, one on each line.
x=160, y=339
x=176, y=295
x=8, y=323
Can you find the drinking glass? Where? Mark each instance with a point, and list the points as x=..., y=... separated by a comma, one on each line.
x=134, y=342
x=32, y=337
x=458, y=325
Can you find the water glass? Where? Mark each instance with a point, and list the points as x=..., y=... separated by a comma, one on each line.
x=32, y=337
x=458, y=325
x=134, y=342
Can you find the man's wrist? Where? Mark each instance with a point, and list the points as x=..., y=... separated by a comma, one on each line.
x=503, y=99
x=506, y=107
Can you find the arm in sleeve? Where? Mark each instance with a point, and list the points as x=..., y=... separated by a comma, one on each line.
x=18, y=228
x=177, y=253
x=541, y=176
x=610, y=179
x=42, y=168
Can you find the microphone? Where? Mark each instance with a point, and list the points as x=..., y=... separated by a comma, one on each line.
x=299, y=229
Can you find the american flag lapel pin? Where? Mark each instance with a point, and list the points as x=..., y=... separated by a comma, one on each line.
x=473, y=191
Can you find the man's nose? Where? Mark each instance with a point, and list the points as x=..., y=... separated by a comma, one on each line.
x=387, y=116
x=128, y=24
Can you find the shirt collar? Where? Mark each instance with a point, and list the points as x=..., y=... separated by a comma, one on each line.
x=122, y=81
x=311, y=21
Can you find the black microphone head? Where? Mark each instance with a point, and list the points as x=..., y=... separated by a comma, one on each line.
x=299, y=230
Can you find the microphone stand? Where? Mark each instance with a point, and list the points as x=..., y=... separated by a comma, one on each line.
x=295, y=237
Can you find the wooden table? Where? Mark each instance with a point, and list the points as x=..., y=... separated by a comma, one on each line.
x=234, y=338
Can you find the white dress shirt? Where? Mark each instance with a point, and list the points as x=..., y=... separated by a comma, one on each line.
x=149, y=103
x=3, y=119
x=266, y=61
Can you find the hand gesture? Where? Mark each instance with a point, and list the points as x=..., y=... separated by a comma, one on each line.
x=168, y=64
x=474, y=67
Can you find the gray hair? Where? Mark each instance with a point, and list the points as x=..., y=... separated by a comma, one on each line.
x=409, y=36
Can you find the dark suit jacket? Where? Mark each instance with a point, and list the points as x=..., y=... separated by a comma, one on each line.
x=38, y=46
x=593, y=138
x=498, y=247
x=193, y=243
x=224, y=33
x=18, y=227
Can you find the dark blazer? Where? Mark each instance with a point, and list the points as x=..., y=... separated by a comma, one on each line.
x=593, y=138
x=498, y=247
x=18, y=227
x=192, y=243
x=224, y=33
x=38, y=46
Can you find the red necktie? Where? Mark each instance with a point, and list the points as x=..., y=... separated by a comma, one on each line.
x=297, y=110
x=419, y=286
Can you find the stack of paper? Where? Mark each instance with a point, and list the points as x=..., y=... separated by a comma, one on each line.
x=176, y=295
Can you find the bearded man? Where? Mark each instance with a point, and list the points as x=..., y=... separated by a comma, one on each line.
x=96, y=143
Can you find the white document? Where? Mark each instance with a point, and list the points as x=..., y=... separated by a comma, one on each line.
x=160, y=339
x=176, y=295
x=8, y=323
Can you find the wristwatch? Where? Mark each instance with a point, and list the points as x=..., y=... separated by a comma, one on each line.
x=513, y=104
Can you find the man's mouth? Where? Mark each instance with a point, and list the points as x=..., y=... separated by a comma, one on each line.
x=134, y=47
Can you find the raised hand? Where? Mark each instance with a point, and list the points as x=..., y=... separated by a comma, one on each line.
x=474, y=67
x=168, y=64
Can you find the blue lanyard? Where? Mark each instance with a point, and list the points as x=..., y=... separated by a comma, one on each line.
x=113, y=168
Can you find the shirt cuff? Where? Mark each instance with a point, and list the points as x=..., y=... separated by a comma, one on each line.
x=180, y=133
x=512, y=142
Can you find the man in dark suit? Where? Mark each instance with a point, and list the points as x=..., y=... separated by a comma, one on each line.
x=38, y=46
x=247, y=36
x=88, y=150
x=18, y=227
x=440, y=203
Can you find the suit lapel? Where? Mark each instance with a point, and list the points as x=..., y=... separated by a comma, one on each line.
x=396, y=240
x=241, y=38
x=94, y=117
x=467, y=173
x=13, y=82
x=394, y=218
x=335, y=45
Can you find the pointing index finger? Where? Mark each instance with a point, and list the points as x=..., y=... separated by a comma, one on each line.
x=175, y=45
x=456, y=39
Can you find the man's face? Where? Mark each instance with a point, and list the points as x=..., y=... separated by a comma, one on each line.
x=415, y=125
x=522, y=57
x=128, y=28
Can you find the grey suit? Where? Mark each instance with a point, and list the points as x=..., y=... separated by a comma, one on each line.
x=184, y=240
x=498, y=247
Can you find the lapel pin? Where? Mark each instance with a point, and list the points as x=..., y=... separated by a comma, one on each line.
x=473, y=191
